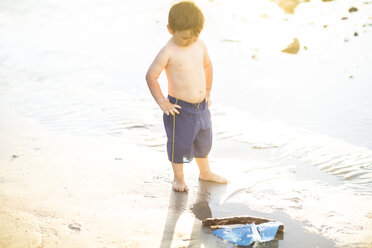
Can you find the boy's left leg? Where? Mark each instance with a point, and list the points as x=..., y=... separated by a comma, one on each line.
x=179, y=183
x=206, y=173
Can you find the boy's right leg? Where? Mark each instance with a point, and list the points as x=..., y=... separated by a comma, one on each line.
x=179, y=183
x=206, y=173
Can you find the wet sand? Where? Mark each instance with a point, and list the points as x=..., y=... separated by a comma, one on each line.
x=59, y=190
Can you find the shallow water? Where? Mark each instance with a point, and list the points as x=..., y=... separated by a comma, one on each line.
x=78, y=67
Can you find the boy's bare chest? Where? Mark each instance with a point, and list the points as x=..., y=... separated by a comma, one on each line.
x=186, y=60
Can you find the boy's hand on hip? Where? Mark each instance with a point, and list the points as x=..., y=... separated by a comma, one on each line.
x=208, y=100
x=169, y=108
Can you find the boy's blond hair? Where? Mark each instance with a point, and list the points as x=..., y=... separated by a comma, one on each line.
x=186, y=15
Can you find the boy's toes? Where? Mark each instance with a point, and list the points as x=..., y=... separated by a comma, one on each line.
x=221, y=179
x=180, y=186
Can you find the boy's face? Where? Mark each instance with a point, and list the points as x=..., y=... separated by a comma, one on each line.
x=183, y=38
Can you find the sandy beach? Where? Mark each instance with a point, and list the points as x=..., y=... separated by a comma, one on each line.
x=82, y=147
x=66, y=191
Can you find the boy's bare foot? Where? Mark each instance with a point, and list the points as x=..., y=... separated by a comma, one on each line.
x=180, y=185
x=210, y=176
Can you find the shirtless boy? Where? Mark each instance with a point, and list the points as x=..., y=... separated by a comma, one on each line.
x=189, y=71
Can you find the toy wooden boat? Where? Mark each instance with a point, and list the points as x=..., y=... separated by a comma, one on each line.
x=223, y=222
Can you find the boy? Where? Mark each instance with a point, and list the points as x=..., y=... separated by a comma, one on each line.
x=187, y=119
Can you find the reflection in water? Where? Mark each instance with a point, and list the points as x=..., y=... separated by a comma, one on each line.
x=177, y=205
x=199, y=236
x=201, y=208
x=208, y=192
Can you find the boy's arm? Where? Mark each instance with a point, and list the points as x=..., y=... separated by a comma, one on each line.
x=152, y=75
x=208, y=71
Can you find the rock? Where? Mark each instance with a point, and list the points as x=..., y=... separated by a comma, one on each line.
x=344, y=18
x=264, y=146
x=288, y=5
x=75, y=226
x=356, y=34
x=325, y=26
x=230, y=40
x=353, y=9
x=14, y=156
x=292, y=48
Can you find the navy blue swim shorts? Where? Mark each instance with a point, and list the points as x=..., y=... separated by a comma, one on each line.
x=189, y=133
